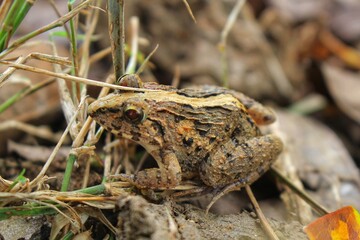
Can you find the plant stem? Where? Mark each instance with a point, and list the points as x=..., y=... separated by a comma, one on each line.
x=117, y=35
x=74, y=70
x=67, y=175
x=315, y=205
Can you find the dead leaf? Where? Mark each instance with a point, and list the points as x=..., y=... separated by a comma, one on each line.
x=344, y=87
x=321, y=160
x=341, y=224
x=349, y=55
x=36, y=153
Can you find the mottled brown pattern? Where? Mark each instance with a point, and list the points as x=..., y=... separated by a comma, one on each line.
x=204, y=132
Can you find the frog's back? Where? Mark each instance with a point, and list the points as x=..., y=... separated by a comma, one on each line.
x=196, y=122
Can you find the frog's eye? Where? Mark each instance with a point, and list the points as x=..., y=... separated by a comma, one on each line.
x=134, y=114
x=130, y=80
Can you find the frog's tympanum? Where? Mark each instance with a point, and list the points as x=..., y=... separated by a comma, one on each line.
x=207, y=133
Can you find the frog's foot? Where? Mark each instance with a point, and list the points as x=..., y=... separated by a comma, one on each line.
x=126, y=178
x=218, y=193
x=152, y=178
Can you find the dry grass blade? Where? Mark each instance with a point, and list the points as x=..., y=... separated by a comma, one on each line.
x=76, y=218
x=230, y=22
x=96, y=213
x=272, y=62
x=7, y=73
x=143, y=65
x=188, y=8
x=92, y=21
x=34, y=182
x=79, y=140
x=5, y=5
x=222, y=44
x=134, y=23
x=66, y=100
x=51, y=58
x=58, y=13
x=38, y=56
x=264, y=223
x=75, y=79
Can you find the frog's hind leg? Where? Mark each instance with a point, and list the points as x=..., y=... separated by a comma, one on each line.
x=237, y=165
x=247, y=160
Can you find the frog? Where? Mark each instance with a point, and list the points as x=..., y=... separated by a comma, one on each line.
x=209, y=134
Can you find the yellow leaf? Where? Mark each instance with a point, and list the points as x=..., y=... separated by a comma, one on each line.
x=343, y=224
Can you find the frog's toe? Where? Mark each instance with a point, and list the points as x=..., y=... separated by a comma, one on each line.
x=126, y=178
x=219, y=192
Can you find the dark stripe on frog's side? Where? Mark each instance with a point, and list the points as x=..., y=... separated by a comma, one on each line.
x=198, y=94
x=227, y=128
x=202, y=128
x=237, y=132
x=113, y=110
x=188, y=142
x=261, y=170
x=114, y=125
x=99, y=117
x=135, y=135
x=219, y=109
x=212, y=140
x=202, y=92
x=102, y=121
x=202, y=132
x=187, y=106
x=251, y=121
x=178, y=118
x=188, y=111
x=158, y=126
x=249, y=153
x=229, y=155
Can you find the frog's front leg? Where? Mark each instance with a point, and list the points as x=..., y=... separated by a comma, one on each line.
x=168, y=174
x=243, y=163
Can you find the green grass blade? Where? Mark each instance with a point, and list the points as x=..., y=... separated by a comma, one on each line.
x=14, y=17
x=22, y=93
x=25, y=210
